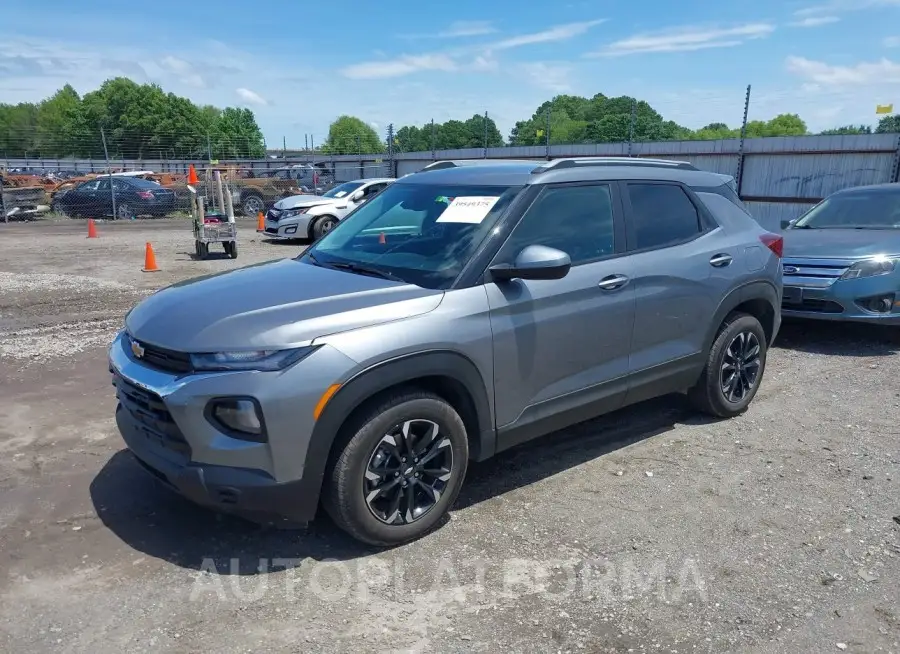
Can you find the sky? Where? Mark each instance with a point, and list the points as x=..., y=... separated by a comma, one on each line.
x=299, y=65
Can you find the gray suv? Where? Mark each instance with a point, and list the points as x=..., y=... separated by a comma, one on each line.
x=465, y=309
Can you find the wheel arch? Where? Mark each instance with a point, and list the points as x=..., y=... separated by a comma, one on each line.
x=759, y=299
x=445, y=373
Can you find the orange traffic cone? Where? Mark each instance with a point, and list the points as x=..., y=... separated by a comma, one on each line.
x=192, y=176
x=92, y=229
x=260, y=222
x=381, y=239
x=149, y=260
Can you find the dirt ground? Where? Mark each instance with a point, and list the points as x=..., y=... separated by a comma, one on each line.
x=649, y=530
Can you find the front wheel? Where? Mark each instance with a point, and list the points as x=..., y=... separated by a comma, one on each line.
x=252, y=205
x=734, y=368
x=323, y=225
x=401, y=470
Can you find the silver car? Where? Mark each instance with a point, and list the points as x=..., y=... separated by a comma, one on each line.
x=463, y=310
x=841, y=258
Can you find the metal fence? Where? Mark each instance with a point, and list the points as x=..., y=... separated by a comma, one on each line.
x=778, y=177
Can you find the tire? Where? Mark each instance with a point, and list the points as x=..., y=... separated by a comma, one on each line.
x=197, y=248
x=204, y=250
x=378, y=519
x=123, y=212
x=252, y=205
x=708, y=394
x=231, y=249
x=322, y=226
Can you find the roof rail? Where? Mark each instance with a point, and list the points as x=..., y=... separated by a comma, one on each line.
x=576, y=162
x=457, y=163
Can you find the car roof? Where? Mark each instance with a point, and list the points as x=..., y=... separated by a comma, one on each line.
x=370, y=180
x=888, y=187
x=522, y=173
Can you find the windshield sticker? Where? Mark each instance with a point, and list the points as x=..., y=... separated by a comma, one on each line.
x=340, y=194
x=468, y=210
x=443, y=199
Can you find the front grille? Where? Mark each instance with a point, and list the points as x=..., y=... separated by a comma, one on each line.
x=151, y=415
x=813, y=305
x=271, y=230
x=814, y=272
x=163, y=359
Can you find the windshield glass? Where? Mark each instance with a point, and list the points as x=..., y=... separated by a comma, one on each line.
x=342, y=189
x=422, y=234
x=876, y=210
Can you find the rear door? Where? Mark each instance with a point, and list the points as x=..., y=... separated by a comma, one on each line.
x=561, y=346
x=676, y=255
x=102, y=197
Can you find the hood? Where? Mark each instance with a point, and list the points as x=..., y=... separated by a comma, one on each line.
x=840, y=243
x=298, y=201
x=277, y=304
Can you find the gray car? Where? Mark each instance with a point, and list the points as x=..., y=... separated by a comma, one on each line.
x=841, y=258
x=463, y=310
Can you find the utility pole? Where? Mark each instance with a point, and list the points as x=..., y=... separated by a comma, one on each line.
x=631, y=125
x=112, y=191
x=740, y=165
x=284, y=147
x=433, y=153
x=485, y=134
x=390, y=144
x=306, y=143
x=208, y=148
x=547, y=135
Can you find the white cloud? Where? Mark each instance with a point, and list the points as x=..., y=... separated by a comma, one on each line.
x=449, y=61
x=399, y=67
x=840, y=6
x=685, y=39
x=864, y=73
x=465, y=28
x=552, y=77
x=554, y=34
x=815, y=21
x=251, y=97
x=892, y=42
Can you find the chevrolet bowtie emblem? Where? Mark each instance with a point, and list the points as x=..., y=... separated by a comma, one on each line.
x=137, y=349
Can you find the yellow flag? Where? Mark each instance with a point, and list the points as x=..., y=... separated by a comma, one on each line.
x=540, y=132
x=884, y=108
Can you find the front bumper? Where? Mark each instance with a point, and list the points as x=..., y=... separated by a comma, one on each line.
x=842, y=299
x=163, y=420
x=295, y=227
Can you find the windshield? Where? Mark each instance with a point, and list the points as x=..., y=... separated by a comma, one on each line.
x=343, y=189
x=422, y=234
x=874, y=210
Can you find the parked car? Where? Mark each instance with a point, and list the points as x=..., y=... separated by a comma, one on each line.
x=841, y=258
x=313, y=216
x=463, y=310
x=133, y=197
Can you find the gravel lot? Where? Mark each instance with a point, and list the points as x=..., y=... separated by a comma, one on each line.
x=650, y=530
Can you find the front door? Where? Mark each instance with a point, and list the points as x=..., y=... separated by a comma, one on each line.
x=561, y=346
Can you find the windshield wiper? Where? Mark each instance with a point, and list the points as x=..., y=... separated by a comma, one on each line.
x=365, y=270
x=804, y=227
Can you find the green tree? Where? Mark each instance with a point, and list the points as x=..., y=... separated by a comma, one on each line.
x=351, y=135
x=847, y=130
x=888, y=125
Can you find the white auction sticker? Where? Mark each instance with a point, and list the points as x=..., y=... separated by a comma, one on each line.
x=472, y=209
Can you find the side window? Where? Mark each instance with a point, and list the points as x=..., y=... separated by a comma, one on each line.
x=575, y=219
x=119, y=185
x=103, y=185
x=662, y=215
x=372, y=190
x=725, y=191
x=88, y=186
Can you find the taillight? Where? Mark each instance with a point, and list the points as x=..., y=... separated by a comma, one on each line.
x=774, y=242
x=147, y=195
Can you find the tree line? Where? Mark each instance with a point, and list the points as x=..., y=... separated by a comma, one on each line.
x=127, y=120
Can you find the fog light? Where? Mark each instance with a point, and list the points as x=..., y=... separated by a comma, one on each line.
x=239, y=417
x=291, y=230
x=877, y=304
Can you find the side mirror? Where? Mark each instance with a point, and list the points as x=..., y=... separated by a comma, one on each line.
x=356, y=197
x=788, y=223
x=534, y=262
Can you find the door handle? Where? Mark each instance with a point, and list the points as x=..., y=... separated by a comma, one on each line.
x=721, y=260
x=612, y=282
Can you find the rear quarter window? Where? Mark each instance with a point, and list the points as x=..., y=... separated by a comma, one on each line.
x=724, y=191
x=724, y=211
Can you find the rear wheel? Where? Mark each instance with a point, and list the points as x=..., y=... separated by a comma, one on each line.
x=401, y=470
x=734, y=368
x=123, y=212
x=252, y=205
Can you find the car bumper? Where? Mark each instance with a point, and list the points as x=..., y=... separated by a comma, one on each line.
x=290, y=228
x=844, y=300
x=162, y=418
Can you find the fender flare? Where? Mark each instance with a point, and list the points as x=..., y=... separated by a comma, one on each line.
x=755, y=290
x=384, y=375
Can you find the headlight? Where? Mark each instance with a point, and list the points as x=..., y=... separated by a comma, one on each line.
x=870, y=268
x=261, y=360
x=293, y=212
